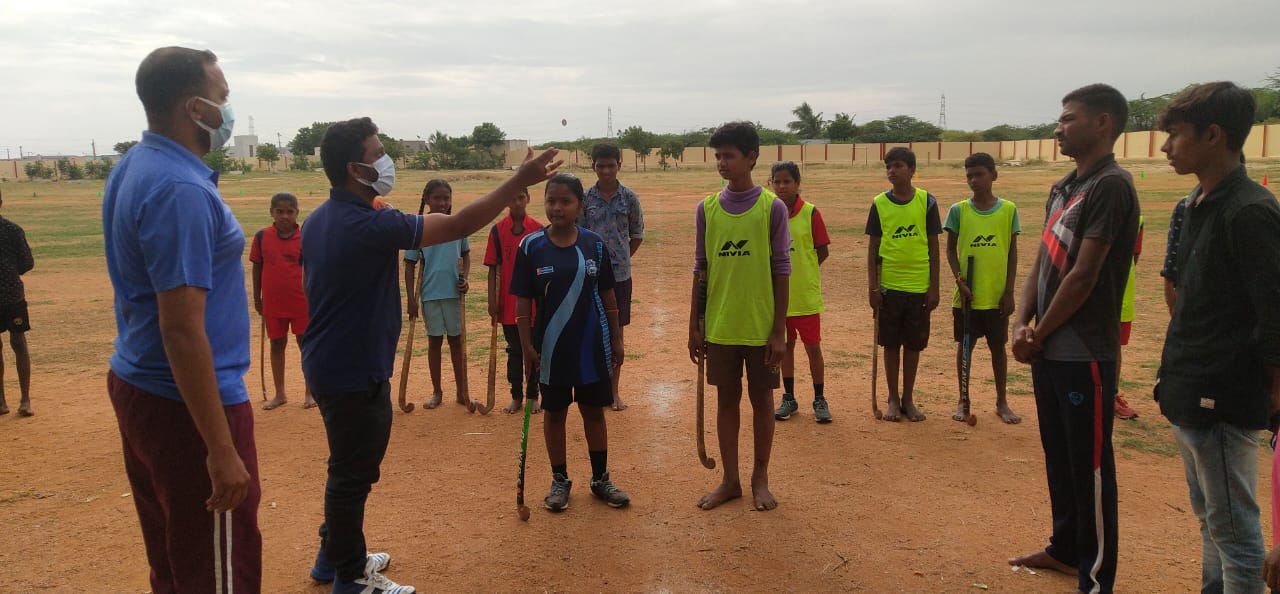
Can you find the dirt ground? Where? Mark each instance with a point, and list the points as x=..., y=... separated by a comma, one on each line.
x=866, y=506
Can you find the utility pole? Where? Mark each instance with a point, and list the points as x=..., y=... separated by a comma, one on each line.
x=942, y=113
x=609, y=133
x=280, y=149
x=93, y=143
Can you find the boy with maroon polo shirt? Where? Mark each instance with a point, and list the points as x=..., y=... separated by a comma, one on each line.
x=277, y=257
x=500, y=257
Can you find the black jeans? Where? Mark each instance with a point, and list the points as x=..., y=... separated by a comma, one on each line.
x=358, y=425
x=515, y=364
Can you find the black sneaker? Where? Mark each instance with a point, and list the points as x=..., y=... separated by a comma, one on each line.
x=788, y=407
x=821, y=413
x=558, y=498
x=604, y=490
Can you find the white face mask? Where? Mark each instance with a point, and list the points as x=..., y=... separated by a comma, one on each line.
x=219, y=136
x=386, y=169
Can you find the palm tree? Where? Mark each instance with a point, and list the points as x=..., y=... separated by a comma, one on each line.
x=807, y=124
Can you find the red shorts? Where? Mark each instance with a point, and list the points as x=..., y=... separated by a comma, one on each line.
x=277, y=328
x=808, y=327
x=1125, y=328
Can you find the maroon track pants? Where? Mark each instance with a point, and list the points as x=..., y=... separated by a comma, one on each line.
x=190, y=550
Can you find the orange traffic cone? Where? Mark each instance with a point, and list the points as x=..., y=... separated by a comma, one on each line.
x=1264, y=179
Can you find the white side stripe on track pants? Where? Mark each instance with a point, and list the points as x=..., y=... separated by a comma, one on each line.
x=222, y=578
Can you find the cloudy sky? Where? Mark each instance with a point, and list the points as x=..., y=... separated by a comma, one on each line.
x=66, y=76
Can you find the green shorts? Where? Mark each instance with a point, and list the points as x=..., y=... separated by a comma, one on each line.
x=443, y=317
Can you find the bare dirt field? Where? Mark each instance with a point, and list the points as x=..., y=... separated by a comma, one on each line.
x=866, y=506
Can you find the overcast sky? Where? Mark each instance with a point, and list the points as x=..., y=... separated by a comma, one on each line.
x=66, y=75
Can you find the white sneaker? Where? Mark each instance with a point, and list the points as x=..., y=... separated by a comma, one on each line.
x=373, y=583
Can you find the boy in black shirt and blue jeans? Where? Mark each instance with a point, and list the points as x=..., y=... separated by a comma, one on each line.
x=1219, y=380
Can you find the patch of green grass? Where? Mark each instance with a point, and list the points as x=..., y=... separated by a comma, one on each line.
x=1142, y=436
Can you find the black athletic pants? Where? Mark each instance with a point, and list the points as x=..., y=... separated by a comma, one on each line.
x=515, y=364
x=1075, y=404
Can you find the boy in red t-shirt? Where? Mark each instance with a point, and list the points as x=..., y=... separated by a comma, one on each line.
x=500, y=257
x=277, y=259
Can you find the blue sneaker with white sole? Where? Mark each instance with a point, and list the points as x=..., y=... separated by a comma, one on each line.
x=324, y=571
x=371, y=583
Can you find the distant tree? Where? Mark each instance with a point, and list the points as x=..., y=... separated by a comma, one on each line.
x=671, y=151
x=307, y=139
x=961, y=136
x=218, y=160
x=639, y=140
x=1144, y=110
x=807, y=124
x=68, y=169
x=270, y=154
x=770, y=136
x=842, y=128
x=123, y=147
x=448, y=152
x=38, y=170
x=98, y=168
x=1268, y=105
x=300, y=163
x=1273, y=80
x=486, y=138
x=394, y=149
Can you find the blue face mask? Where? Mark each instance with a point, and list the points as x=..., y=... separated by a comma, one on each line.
x=219, y=136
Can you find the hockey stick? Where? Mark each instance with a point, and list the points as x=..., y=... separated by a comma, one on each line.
x=492, y=388
x=521, y=508
x=875, y=349
x=702, y=372
x=262, y=356
x=408, y=349
x=967, y=354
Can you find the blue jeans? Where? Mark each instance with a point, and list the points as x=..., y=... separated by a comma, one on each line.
x=1221, y=463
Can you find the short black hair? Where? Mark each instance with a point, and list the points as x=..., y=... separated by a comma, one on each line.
x=740, y=134
x=787, y=166
x=980, y=160
x=168, y=73
x=1101, y=98
x=284, y=197
x=568, y=180
x=605, y=150
x=343, y=143
x=1223, y=103
x=900, y=153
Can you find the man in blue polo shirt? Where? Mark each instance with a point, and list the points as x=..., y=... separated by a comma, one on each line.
x=352, y=250
x=173, y=252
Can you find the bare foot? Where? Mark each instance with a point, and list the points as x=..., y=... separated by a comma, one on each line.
x=513, y=408
x=719, y=495
x=537, y=408
x=464, y=400
x=435, y=401
x=764, y=499
x=909, y=411
x=310, y=402
x=275, y=403
x=4, y=408
x=1042, y=560
x=618, y=404
x=1006, y=414
x=958, y=415
x=24, y=409
x=893, y=412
